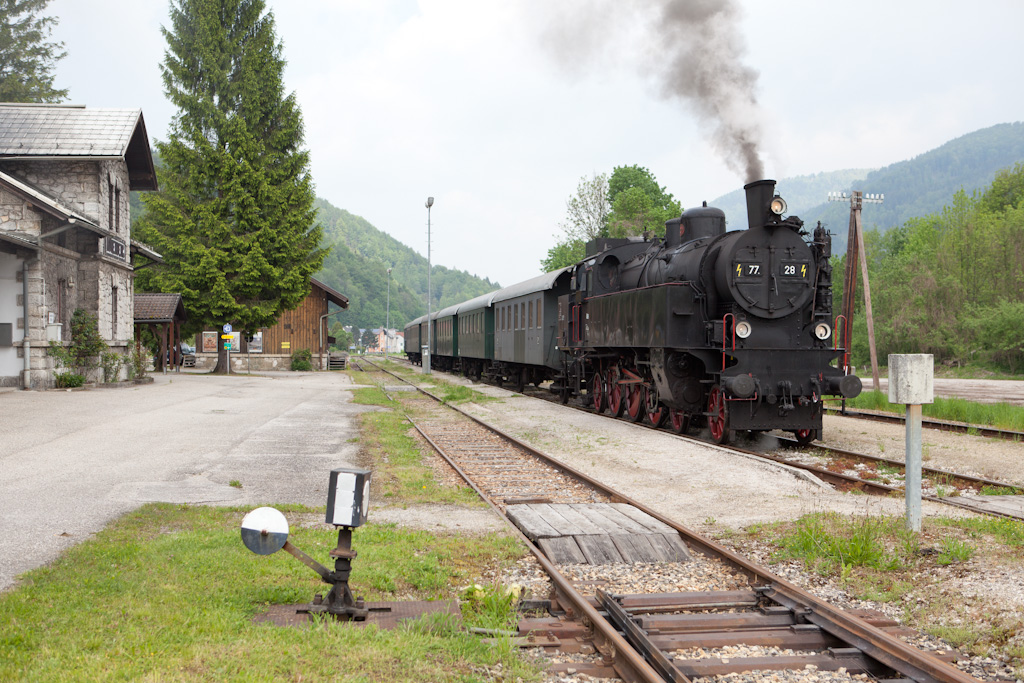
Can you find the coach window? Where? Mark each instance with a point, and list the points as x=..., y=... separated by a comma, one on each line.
x=530, y=317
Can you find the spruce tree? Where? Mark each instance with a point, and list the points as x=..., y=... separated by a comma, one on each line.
x=234, y=219
x=26, y=59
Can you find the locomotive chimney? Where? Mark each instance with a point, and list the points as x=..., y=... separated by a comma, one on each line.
x=759, y=198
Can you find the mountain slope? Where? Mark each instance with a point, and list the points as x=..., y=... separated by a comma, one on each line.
x=915, y=187
x=357, y=267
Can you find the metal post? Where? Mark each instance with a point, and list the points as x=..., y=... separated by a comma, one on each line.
x=867, y=296
x=911, y=383
x=387, y=318
x=913, y=467
x=426, y=356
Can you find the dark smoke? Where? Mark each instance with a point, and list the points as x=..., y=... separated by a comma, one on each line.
x=697, y=59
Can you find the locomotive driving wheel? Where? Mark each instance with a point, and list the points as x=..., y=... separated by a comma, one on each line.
x=616, y=399
x=718, y=416
x=598, y=392
x=656, y=412
x=635, y=402
x=805, y=436
x=679, y=420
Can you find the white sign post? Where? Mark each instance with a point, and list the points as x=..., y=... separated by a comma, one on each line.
x=227, y=344
x=910, y=383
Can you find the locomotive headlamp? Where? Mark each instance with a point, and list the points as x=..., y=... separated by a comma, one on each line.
x=778, y=205
x=743, y=329
x=822, y=331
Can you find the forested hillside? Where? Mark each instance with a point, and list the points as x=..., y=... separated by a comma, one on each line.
x=357, y=267
x=950, y=283
x=916, y=187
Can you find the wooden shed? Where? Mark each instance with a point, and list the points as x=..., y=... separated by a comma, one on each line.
x=164, y=314
x=305, y=327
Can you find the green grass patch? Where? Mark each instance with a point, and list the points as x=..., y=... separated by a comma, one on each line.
x=399, y=471
x=168, y=593
x=458, y=393
x=1007, y=531
x=998, y=415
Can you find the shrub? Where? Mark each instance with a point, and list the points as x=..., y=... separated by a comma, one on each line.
x=112, y=363
x=302, y=359
x=69, y=380
x=82, y=353
x=137, y=360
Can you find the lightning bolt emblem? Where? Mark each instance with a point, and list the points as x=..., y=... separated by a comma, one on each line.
x=803, y=270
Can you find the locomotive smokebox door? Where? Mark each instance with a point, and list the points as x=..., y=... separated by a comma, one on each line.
x=348, y=497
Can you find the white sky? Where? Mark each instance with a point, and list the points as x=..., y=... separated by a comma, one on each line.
x=463, y=100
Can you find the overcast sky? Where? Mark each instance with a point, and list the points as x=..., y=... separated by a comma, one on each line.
x=479, y=104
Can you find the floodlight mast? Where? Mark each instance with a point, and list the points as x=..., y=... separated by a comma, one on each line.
x=426, y=354
x=854, y=241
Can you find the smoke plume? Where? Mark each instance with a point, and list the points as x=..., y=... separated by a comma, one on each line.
x=694, y=50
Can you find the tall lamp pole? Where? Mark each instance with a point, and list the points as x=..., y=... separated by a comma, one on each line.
x=426, y=354
x=387, y=319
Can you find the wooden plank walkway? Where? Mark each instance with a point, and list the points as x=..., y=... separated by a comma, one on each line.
x=597, y=533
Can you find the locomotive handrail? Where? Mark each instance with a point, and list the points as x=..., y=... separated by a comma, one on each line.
x=728, y=315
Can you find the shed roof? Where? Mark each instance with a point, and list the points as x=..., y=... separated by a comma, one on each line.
x=158, y=307
x=536, y=284
x=333, y=296
x=34, y=131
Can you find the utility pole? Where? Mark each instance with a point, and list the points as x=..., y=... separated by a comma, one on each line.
x=426, y=354
x=854, y=249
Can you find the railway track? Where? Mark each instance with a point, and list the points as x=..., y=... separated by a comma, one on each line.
x=940, y=425
x=875, y=475
x=567, y=518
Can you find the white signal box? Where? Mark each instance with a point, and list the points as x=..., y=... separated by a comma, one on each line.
x=348, y=497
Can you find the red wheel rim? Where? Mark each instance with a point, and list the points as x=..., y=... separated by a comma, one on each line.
x=680, y=421
x=656, y=412
x=635, y=402
x=804, y=436
x=718, y=417
x=598, y=390
x=615, y=402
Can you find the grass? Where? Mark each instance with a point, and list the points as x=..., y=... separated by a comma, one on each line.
x=397, y=460
x=876, y=558
x=999, y=415
x=168, y=593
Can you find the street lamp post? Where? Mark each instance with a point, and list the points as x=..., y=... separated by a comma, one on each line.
x=426, y=355
x=387, y=319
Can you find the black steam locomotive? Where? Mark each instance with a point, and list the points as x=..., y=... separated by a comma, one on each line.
x=729, y=329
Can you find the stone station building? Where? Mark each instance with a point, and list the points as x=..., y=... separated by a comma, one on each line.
x=65, y=232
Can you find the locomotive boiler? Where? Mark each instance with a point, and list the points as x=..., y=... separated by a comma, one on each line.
x=734, y=328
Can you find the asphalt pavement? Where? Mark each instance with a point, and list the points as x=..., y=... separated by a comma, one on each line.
x=73, y=461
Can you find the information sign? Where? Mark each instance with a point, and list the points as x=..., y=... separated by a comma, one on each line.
x=227, y=328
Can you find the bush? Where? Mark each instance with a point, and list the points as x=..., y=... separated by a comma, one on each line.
x=302, y=359
x=137, y=360
x=82, y=354
x=69, y=380
x=112, y=363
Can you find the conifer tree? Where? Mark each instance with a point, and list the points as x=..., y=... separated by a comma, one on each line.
x=26, y=59
x=234, y=219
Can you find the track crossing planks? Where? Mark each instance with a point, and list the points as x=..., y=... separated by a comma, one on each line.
x=597, y=533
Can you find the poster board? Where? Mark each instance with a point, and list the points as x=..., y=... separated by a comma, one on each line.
x=209, y=342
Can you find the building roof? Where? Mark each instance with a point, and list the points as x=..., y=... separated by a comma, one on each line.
x=34, y=131
x=157, y=307
x=48, y=203
x=332, y=295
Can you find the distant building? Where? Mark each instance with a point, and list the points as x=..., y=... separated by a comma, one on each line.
x=65, y=228
x=390, y=340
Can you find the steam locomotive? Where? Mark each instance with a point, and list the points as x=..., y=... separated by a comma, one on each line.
x=732, y=330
